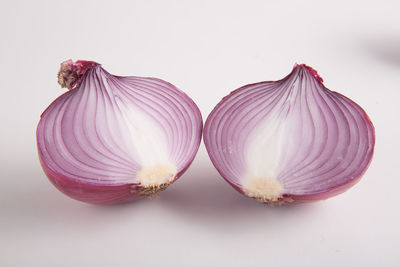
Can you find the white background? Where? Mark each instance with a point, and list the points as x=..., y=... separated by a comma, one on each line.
x=207, y=49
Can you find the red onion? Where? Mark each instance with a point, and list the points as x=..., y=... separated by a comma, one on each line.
x=291, y=140
x=113, y=139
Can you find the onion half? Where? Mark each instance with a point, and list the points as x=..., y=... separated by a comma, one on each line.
x=291, y=140
x=113, y=139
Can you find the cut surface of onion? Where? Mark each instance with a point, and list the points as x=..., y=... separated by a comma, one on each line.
x=291, y=140
x=113, y=139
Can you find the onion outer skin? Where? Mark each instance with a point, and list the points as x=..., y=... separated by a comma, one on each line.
x=285, y=198
x=95, y=194
x=107, y=193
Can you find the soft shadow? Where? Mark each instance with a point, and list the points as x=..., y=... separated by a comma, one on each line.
x=29, y=196
x=385, y=49
x=203, y=197
x=200, y=197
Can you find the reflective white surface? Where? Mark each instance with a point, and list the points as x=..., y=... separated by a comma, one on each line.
x=207, y=49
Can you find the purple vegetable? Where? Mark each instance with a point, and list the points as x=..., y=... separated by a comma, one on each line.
x=113, y=139
x=291, y=140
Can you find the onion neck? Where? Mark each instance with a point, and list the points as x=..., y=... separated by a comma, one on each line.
x=71, y=73
x=309, y=70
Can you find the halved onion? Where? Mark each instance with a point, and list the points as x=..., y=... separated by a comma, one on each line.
x=291, y=140
x=114, y=139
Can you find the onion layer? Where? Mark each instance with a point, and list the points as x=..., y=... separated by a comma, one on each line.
x=114, y=139
x=291, y=140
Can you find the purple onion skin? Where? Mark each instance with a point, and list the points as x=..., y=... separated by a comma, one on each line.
x=105, y=193
x=286, y=198
x=94, y=194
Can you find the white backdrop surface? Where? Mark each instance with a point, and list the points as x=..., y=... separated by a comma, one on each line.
x=207, y=49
